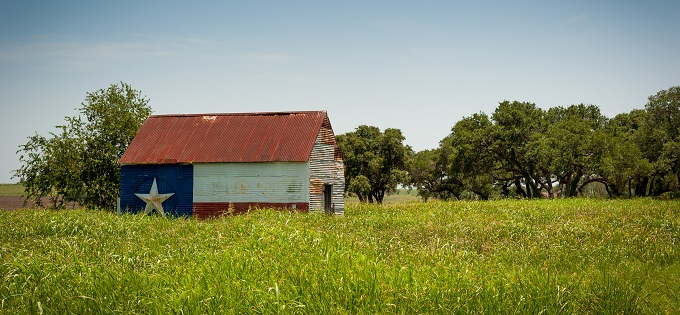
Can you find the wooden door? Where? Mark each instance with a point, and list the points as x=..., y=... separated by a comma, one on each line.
x=328, y=198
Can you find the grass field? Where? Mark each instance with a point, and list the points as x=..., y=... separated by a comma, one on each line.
x=11, y=189
x=577, y=256
x=398, y=197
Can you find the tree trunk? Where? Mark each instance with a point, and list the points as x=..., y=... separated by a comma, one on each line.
x=657, y=188
x=532, y=188
x=579, y=189
x=520, y=190
x=549, y=185
x=564, y=181
x=641, y=187
x=573, y=186
x=380, y=195
x=504, y=190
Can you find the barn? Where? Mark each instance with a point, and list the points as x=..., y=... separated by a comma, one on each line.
x=205, y=165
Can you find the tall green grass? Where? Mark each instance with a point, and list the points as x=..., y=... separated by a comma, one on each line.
x=501, y=257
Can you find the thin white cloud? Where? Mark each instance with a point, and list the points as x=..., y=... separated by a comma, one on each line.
x=86, y=54
x=73, y=52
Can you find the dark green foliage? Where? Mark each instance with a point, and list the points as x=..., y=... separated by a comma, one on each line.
x=80, y=163
x=375, y=161
x=428, y=170
x=529, y=152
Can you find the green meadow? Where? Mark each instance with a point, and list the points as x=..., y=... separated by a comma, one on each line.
x=574, y=256
x=11, y=189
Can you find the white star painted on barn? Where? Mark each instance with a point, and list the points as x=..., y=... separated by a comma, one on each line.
x=153, y=199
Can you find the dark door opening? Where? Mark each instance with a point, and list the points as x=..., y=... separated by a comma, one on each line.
x=328, y=199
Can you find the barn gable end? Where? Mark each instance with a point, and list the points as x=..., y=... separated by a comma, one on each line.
x=326, y=168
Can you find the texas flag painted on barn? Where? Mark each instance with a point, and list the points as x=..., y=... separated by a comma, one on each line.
x=209, y=164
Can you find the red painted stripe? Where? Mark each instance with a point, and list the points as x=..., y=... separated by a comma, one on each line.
x=216, y=209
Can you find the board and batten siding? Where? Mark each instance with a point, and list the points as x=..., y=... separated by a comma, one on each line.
x=238, y=186
x=326, y=168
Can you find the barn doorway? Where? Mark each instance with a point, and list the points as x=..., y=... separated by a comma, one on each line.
x=328, y=198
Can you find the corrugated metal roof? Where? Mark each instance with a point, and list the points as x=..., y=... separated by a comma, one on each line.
x=242, y=137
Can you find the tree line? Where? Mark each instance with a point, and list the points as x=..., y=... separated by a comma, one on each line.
x=522, y=150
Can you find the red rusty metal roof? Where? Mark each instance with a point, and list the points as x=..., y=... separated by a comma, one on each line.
x=242, y=137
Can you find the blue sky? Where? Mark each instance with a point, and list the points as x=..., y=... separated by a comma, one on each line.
x=419, y=66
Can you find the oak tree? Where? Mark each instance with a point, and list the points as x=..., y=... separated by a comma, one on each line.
x=80, y=163
x=375, y=162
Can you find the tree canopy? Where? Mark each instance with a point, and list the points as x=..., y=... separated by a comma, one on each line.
x=375, y=162
x=79, y=163
x=525, y=151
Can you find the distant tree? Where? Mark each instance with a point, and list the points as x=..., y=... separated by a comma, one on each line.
x=429, y=173
x=524, y=150
x=624, y=169
x=472, y=161
x=360, y=186
x=516, y=126
x=540, y=153
x=570, y=147
x=642, y=155
x=621, y=163
x=662, y=131
x=80, y=163
x=380, y=158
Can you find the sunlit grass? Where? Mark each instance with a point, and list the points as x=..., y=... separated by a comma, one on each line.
x=513, y=257
x=402, y=195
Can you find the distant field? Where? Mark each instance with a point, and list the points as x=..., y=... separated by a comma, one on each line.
x=576, y=256
x=401, y=196
x=11, y=189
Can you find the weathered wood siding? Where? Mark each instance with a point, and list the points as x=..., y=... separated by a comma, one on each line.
x=326, y=167
x=275, y=182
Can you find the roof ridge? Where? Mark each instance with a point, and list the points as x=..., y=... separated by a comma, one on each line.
x=243, y=114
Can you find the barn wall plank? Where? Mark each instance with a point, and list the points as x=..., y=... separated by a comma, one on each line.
x=275, y=182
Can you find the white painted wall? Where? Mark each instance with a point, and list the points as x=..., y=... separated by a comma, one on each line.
x=251, y=182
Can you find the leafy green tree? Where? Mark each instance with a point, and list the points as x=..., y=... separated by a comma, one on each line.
x=624, y=168
x=380, y=157
x=538, y=152
x=516, y=125
x=621, y=163
x=662, y=135
x=472, y=160
x=81, y=162
x=429, y=173
x=642, y=155
x=570, y=147
x=361, y=186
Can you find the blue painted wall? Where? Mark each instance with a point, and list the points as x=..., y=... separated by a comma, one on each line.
x=173, y=178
